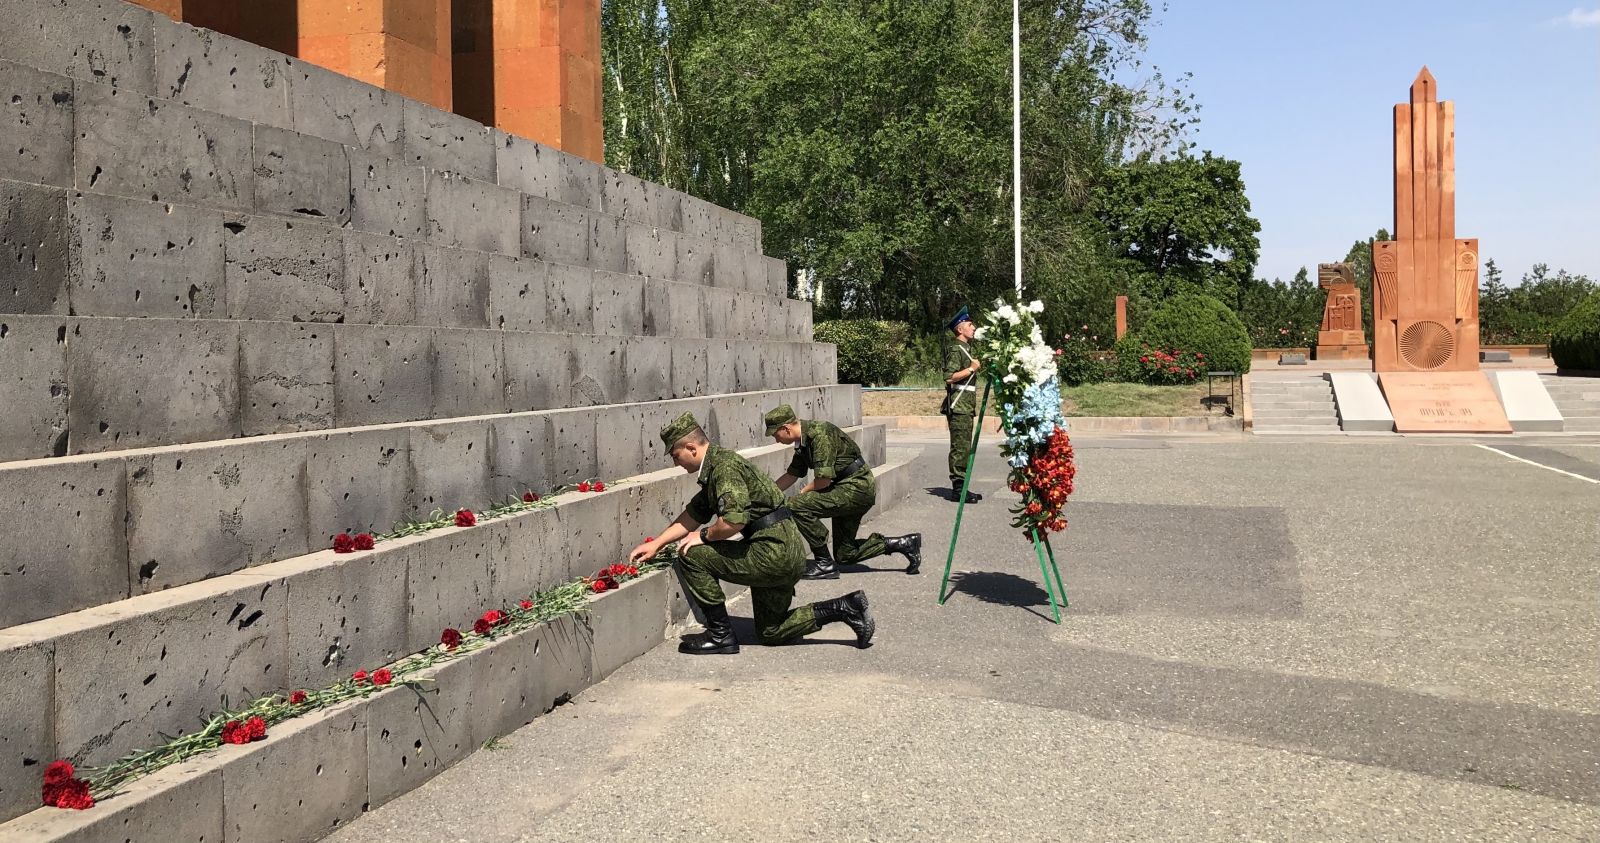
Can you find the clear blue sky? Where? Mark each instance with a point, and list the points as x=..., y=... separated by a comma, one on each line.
x=1301, y=94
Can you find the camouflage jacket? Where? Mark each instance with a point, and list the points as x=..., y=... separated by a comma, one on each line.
x=734, y=488
x=824, y=449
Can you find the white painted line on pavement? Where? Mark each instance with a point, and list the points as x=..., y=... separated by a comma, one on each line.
x=1539, y=464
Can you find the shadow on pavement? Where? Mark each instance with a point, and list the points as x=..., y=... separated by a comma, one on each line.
x=1001, y=589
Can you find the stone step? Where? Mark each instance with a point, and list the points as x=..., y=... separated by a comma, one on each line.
x=1304, y=421
x=148, y=519
x=1297, y=428
x=1292, y=413
x=1307, y=402
x=87, y=384
x=1296, y=392
x=157, y=662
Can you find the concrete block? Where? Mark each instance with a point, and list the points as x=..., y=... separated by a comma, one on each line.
x=872, y=439
x=678, y=310
x=299, y=175
x=82, y=560
x=448, y=142
x=720, y=378
x=594, y=537
x=1293, y=358
x=563, y=649
x=696, y=260
x=519, y=456
x=213, y=72
x=618, y=304
x=467, y=369
x=449, y=467
x=526, y=555
x=517, y=297
x=417, y=732
x=387, y=195
x=537, y=369
x=581, y=181
x=695, y=218
x=36, y=126
x=733, y=269
x=135, y=146
x=284, y=270
x=598, y=374
x=178, y=804
x=777, y=277
x=569, y=299
x=691, y=374
x=33, y=248
x=555, y=232
x=667, y=205
x=621, y=440
x=449, y=584
x=649, y=368
x=342, y=613
x=526, y=166
x=574, y=449
x=200, y=512
x=334, y=106
x=27, y=732
x=285, y=377
x=107, y=41
x=1360, y=403
x=608, y=243
x=628, y=622
x=453, y=289
x=507, y=689
x=307, y=778
x=720, y=321
x=135, y=258
x=357, y=482
x=382, y=373
x=627, y=196
x=737, y=419
x=651, y=251
x=1498, y=356
x=648, y=507
x=380, y=279
x=33, y=387
x=159, y=663
x=1527, y=403
x=797, y=319
x=825, y=363
x=471, y=214
x=750, y=367
x=134, y=383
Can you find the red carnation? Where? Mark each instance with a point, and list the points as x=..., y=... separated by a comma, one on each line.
x=364, y=541
x=297, y=698
x=632, y=571
x=526, y=605
x=529, y=497
x=599, y=485
x=255, y=728
x=465, y=518
x=493, y=617
x=481, y=626
x=450, y=638
x=59, y=772
x=584, y=486
x=234, y=732
x=71, y=793
x=342, y=543
x=360, y=676
x=382, y=677
x=598, y=586
x=649, y=539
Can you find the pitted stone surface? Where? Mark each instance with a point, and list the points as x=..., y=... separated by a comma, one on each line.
x=690, y=372
x=380, y=279
x=608, y=243
x=517, y=297
x=417, y=732
x=357, y=482
x=696, y=260
x=580, y=181
x=107, y=41
x=677, y=310
x=777, y=276
x=720, y=367
x=448, y=142
x=649, y=368
x=651, y=251
x=285, y=377
x=179, y=804
x=132, y=258
x=454, y=287
x=599, y=372
x=331, y=105
x=537, y=370
x=387, y=196
x=132, y=383
x=36, y=126
x=532, y=168
x=627, y=196
x=382, y=373
x=519, y=456
x=446, y=574
x=472, y=214
x=525, y=555
x=284, y=270
x=667, y=205
x=344, y=614
x=594, y=537
x=33, y=248
x=132, y=145
x=556, y=232
x=573, y=446
x=467, y=372
x=507, y=686
x=213, y=72
x=325, y=752
x=82, y=560
x=622, y=441
x=569, y=299
x=33, y=386
x=299, y=175
x=618, y=304
x=27, y=733
x=628, y=622
x=449, y=467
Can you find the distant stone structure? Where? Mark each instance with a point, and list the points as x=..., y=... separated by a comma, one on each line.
x=1341, y=336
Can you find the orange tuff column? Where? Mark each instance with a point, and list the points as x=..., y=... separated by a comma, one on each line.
x=541, y=60
x=171, y=8
x=401, y=45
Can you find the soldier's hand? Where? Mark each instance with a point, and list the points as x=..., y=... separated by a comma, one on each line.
x=643, y=553
x=689, y=541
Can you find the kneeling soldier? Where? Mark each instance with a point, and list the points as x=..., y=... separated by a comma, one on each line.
x=843, y=489
x=749, y=538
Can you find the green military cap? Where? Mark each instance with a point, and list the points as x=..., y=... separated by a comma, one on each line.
x=779, y=417
x=677, y=429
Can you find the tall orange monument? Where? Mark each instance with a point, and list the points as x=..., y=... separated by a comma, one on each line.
x=1425, y=284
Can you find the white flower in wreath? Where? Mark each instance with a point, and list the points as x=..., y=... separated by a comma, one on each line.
x=1010, y=379
x=978, y=333
x=1035, y=336
x=1008, y=313
x=1036, y=306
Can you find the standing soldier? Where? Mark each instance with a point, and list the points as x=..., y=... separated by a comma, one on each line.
x=843, y=489
x=961, y=400
x=749, y=538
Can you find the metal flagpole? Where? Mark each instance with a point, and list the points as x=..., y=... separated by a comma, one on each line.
x=1016, y=144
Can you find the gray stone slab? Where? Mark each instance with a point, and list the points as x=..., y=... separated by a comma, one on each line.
x=1360, y=402
x=107, y=41
x=299, y=175
x=526, y=555
x=196, y=513
x=733, y=269
x=387, y=195
x=620, y=430
x=36, y=127
x=618, y=304
x=448, y=142
x=522, y=164
x=573, y=455
x=135, y=258
x=135, y=146
x=332, y=105
x=536, y=371
x=1292, y=359
x=797, y=317
x=138, y=382
x=449, y=584
x=677, y=310
x=506, y=686
x=467, y=373
x=519, y=456
x=343, y=614
x=569, y=299
x=581, y=181
x=33, y=248
x=285, y=377
x=649, y=368
x=652, y=251
x=178, y=804
x=1527, y=403
x=216, y=73
x=284, y=269
x=599, y=371
x=825, y=363
x=720, y=319
x=418, y=731
x=696, y=260
x=307, y=778
x=517, y=296
x=453, y=289
x=380, y=279
x=627, y=196
x=695, y=218
x=608, y=243
x=449, y=467
x=1494, y=357
x=647, y=508
x=472, y=214
x=556, y=232
x=777, y=277
x=357, y=482
x=691, y=374
x=82, y=560
x=628, y=622
x=750, y=367
x=382, y=373
x=125, y=675
x=27, y=732
x=667, y=205
x=720, y=377
x=33, y=387
x=594, y=538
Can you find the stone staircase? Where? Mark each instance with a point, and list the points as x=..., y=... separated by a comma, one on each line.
x=246, y=304
x=1578, y=399
x=1293, y=405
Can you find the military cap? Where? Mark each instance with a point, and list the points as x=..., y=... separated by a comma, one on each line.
x=677, y=429
x=779, y=417
x=962, y=316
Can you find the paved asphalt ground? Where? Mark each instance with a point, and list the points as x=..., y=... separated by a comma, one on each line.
x=1269, y=638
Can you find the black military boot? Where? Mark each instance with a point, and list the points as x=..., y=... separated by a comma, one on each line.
x=718, y=639
x=909, y=546
x=821, y=567
x=852, y=609
x=955, y=495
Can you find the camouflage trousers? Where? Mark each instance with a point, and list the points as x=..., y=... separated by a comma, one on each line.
x=960, y=446
x=846, y=503
x=770, y=563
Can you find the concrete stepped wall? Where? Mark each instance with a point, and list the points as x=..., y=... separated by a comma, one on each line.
x=1578, y=399
x=1298, y=405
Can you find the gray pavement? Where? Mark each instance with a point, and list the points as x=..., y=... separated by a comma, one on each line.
x=1272, y=639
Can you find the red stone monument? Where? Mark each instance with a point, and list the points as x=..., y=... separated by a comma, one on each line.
x=1341, y=336
x=1122, y=316
x=1425, y=284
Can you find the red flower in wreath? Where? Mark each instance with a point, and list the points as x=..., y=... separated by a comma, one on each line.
x=450, y=638
x=481, y=626
x=465, y=518
x=526, y=605
x=598, y=586
x=343, y=543
x=382, y=677
x=583, y=486
x=360, y=677
x=364, y=541
x=297, y=698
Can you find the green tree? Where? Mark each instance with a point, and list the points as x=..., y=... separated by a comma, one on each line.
x=1360, y=260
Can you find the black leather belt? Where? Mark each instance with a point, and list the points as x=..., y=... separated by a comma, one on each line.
x=851, y=470
x=777, y=516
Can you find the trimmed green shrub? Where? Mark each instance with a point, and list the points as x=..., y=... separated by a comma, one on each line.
x=1188, y=324
x=1079, y=362
x=871, y=353
x=1575, y=344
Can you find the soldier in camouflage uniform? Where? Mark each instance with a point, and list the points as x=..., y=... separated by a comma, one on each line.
x=843, y=489
x=749, y=538
x=961, y=400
